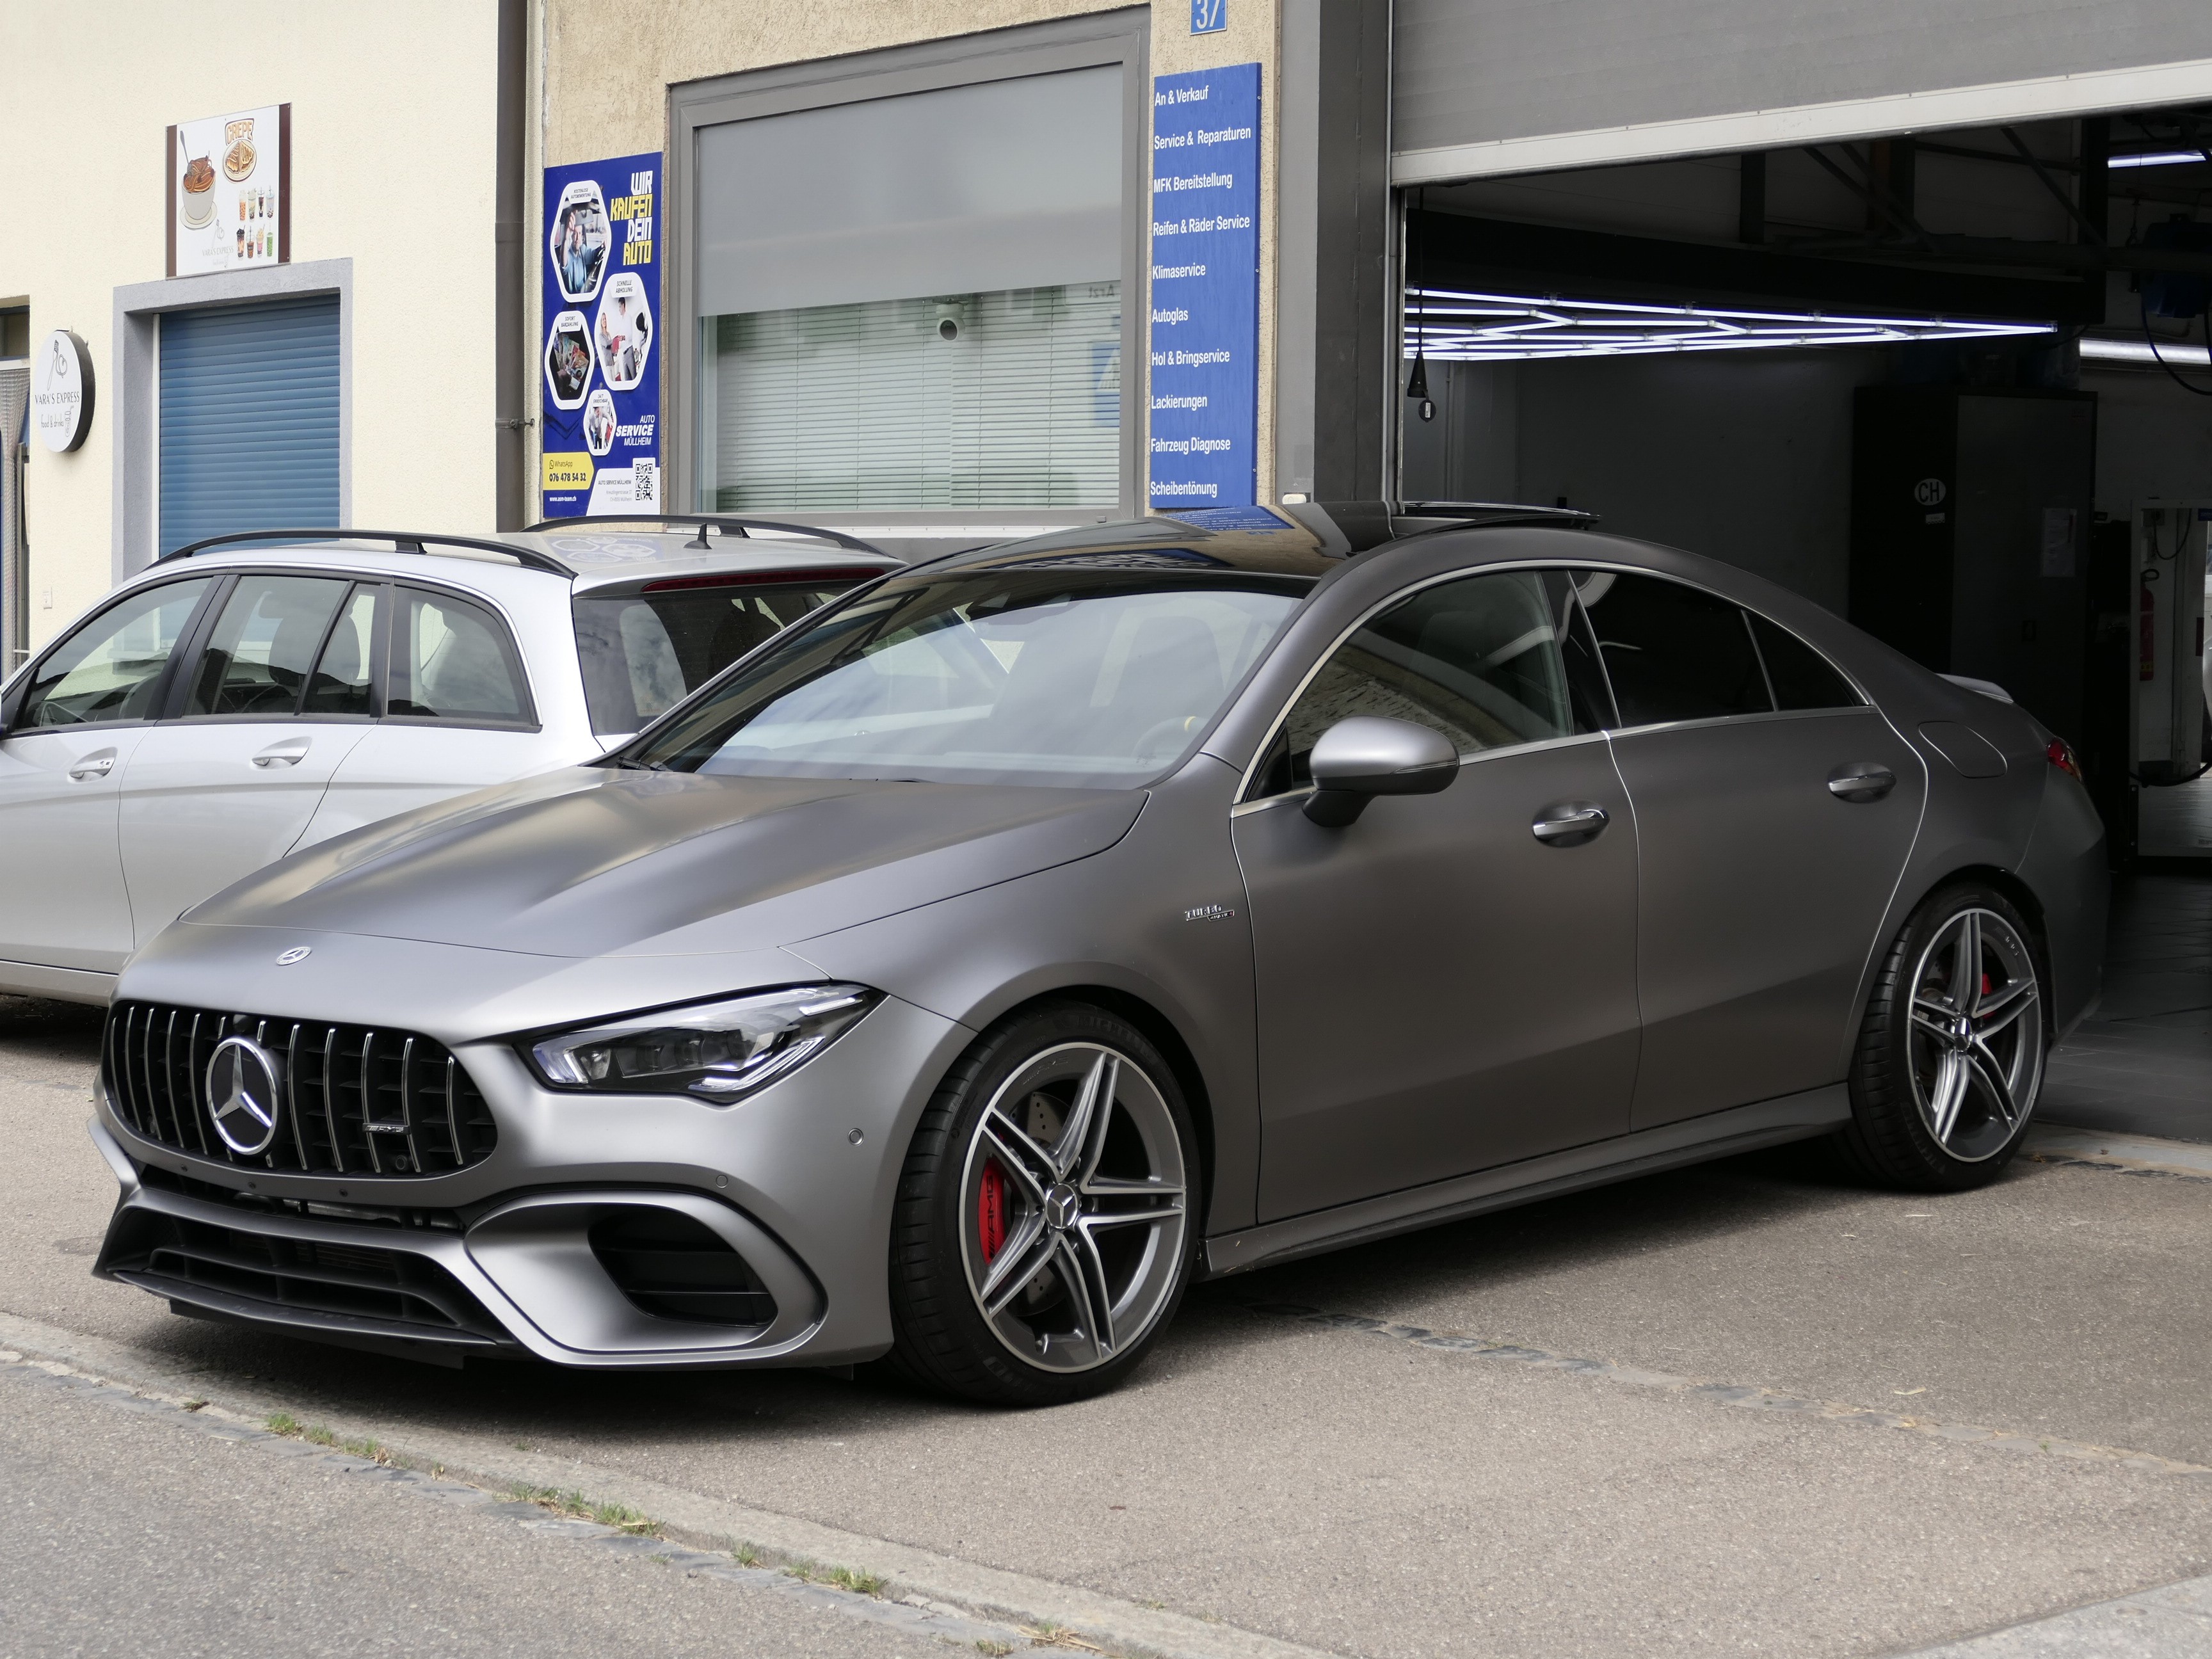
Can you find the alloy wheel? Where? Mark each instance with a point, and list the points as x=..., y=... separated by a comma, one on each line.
x=1976, y=1035
x=1073, y=1200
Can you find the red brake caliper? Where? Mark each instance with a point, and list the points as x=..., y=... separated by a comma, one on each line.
x=991, y=1210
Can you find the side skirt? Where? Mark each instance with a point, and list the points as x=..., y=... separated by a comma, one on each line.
x=32, y=979
x=1739, y=1129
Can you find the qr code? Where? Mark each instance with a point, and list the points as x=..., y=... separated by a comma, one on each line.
x=644, y=486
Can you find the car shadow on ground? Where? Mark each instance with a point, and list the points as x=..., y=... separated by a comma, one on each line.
x=35, y=1028
x=588, y=1413
x=1677, y=1210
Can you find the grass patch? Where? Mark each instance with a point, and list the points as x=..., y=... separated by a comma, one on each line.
x=1050, y=1635
x=576, y=1507
x=844, y=1579
x=744, y=1554
x=315, y=1434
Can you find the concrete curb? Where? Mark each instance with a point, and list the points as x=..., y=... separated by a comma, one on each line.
x=2056, y=1143
x=917, y=1575
x=2173, y=1620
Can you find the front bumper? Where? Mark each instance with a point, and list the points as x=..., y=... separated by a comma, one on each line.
x=497, y=1259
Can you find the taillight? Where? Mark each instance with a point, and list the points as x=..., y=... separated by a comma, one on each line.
x=2057, y=753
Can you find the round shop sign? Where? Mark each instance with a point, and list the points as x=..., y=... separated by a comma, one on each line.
x=61, y=391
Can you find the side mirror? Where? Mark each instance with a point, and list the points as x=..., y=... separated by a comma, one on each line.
x=1365, y=757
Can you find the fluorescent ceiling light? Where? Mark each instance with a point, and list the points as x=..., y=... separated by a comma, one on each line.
x=2135, y=351
x=1452, y=326
x=2158, y=158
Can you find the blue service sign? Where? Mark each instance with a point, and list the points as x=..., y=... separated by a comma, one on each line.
x=600, y=358
x=1205, y=328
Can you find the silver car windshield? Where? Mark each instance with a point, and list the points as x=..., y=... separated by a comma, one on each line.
x=1077, y=679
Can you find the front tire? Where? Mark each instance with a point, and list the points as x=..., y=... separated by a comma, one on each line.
x=1950, y=1056
x=1043, y=1232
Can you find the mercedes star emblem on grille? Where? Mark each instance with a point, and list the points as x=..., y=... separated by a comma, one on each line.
x=241, y=1083
x=297, y=953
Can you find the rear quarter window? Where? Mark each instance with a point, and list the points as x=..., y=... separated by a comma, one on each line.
x=642, y=654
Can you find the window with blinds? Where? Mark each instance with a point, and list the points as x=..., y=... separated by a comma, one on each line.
x=1004, y=399
x=915, y=301
x=249, y=418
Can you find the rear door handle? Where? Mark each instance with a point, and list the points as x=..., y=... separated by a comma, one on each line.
x=1860, y=780
x=98, y=765
x=289, y=752
x=1569, y=824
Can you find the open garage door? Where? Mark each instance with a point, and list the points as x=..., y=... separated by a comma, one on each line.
x=1954, y=385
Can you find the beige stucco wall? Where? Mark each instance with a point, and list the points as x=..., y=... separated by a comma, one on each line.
x=606, y=66
x=393, y=141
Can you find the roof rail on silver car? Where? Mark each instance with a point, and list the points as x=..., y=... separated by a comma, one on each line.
x=403, y=541
x=728, y=527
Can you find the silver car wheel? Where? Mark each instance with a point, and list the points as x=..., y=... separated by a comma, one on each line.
x=1072, y=1204
x=1976, y=1035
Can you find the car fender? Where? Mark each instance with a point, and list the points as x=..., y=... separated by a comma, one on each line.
x=1159, y=917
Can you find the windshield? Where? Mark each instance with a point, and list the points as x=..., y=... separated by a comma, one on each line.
x=1095, y=678
x=642, y=654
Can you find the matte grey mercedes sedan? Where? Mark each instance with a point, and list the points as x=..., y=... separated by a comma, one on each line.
x=1034, y=930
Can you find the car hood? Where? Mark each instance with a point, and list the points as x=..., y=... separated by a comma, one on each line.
x=591, y=862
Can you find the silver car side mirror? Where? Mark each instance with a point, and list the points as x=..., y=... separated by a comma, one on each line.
x=1365, y=757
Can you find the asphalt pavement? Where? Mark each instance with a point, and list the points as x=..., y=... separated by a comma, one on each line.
x=1752, y=1408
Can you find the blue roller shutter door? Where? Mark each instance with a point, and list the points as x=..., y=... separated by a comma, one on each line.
x=249, y=418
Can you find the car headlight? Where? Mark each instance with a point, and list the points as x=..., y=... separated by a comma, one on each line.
x=719, y=1050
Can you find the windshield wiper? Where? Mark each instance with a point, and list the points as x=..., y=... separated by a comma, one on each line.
x=629, y=764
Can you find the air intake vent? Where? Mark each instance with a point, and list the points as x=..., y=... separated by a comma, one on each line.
x=671, y=1264
x=393, y=1292
x=350, y=1100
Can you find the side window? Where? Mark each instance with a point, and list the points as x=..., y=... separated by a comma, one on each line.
x=1673, y=651
x=340, y=684
x=1802, y=677
x=267, y=639
x=1479, y=659
x=109, y=668
x=452, y=660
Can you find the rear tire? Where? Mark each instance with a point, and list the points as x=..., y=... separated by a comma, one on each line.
x=1044, y=1226
x=1950, y=1056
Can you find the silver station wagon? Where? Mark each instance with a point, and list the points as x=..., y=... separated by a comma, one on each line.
x=261, y=692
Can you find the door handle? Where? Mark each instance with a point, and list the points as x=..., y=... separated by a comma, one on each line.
x=289, y=752
x=1860, y=780
x=97, y=765
x=1569, y=824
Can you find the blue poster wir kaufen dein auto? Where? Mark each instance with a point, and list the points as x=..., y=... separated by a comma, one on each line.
x=1205, y=333
x=599, y=357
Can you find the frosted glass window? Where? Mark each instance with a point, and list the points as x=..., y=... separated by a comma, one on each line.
x=915, y=301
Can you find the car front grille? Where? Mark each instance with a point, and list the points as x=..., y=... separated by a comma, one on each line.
x=355, y=1101
x=361, y=1286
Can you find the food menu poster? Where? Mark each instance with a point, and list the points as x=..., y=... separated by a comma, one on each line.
x=229, y=178
x=1205, y=321
x=600, y=355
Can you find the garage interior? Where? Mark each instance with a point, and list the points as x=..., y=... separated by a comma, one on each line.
x=1955, y=386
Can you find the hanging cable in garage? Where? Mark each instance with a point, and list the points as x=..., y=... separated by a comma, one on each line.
x=2151, y=340
x=1417, y=382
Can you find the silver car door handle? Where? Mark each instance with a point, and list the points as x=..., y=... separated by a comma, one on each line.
x=1569, y=825
x=94, y=766
x=289, y=752
x=1860, y=780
